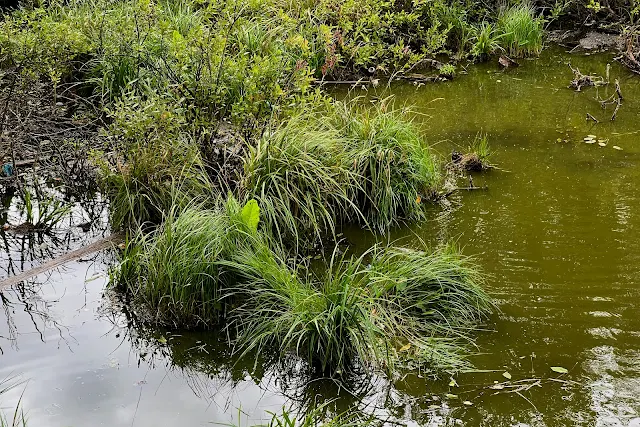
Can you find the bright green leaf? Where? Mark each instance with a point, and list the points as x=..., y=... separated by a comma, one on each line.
x=507, y=375
x=559, y=369
x=251, y=215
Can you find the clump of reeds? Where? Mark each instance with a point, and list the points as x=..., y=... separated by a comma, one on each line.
x=301, y=179
x=521, y=32
x=388, y=306
x=394, y=166
x=178, y=272
x=485, y=41
x=476, y=158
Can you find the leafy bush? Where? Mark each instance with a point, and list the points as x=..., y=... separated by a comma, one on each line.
x=155, y=163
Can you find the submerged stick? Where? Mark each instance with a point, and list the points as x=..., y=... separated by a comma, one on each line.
x=590, y=117
x=63, y=259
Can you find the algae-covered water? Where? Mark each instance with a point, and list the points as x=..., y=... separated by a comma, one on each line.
x=557, y=230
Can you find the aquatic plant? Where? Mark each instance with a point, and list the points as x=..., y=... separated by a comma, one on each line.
x=521, y=32
x=45, y=214
x=388, y=306
x=316, y=417
x=485, y=41
x=447, y=70
x=299, y=175
x=18, y=418
x=480, y=147
x=176, y=273
x=394, y=166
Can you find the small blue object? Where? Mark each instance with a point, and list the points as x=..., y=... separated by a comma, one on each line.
x=7, y=169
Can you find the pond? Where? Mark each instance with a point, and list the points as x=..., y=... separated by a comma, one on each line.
x=556, y=229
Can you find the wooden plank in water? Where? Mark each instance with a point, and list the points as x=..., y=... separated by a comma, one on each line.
x=63, y=259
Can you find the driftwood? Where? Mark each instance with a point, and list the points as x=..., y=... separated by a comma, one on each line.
x=420, y=78
x=590, y=117
x=615, y=99
x=631, y=49
x=584, y=80
x=63, y=259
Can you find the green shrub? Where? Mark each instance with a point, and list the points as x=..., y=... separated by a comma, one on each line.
x=154, y=163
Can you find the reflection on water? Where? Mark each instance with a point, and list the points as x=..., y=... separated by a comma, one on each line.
x=557, y=232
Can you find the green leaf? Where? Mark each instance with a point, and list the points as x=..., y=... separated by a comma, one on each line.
x=162, y=340
x=559, y=369
x=251, y=215
x=451, y=396
x=507, y=375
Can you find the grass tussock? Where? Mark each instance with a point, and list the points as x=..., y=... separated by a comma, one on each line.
x=485, y=41
x=299, y=176
x=394, y=166
x=351, y=165
x=177, y=272
x=521, y=31
x=389, y=306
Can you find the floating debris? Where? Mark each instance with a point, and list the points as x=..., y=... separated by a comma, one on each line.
x=602, y=144
x=617, y=148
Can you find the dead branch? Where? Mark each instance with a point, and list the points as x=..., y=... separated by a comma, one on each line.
x=585, y=80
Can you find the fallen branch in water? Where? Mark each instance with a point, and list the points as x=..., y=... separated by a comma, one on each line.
x=583, y=80
x=453, y=190
x=63, y=259
x=616, y=99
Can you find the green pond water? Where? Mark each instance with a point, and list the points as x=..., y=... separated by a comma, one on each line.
x=557, y=230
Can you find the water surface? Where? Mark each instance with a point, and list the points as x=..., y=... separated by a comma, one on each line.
x=557, y=230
